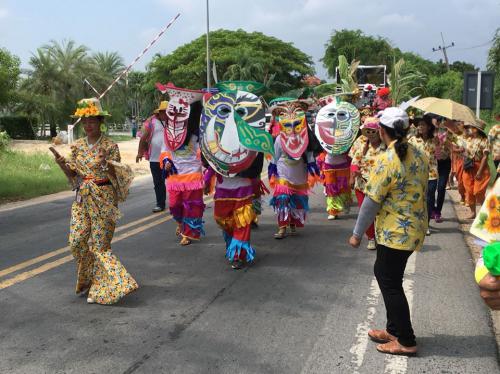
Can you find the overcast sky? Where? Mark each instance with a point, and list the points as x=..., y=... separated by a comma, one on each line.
x=127, y=26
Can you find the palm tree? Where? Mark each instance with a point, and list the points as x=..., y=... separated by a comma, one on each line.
x=246, y=68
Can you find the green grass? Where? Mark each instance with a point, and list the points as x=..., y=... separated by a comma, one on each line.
x=120, y=138
x=21, y=176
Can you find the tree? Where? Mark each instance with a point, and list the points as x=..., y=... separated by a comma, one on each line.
x=355, y=45
x=447, y=86
x=494, y=65
x=9, y=75
x=235, y=53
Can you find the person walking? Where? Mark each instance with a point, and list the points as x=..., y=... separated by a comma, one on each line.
x=476, y=174
x=151, y=144
x=427, y=143
x=101, y=181
x=395, y=195
x=363, y=159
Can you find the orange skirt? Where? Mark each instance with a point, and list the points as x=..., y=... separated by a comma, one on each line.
x=475, y=189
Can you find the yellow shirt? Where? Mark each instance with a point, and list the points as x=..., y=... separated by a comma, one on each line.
x=364, y=158
x=428, y=147
x=494, y=140
x=400, y=188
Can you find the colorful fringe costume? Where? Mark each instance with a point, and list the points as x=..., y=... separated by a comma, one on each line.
x=232, y=134
x=335, y=172
x=184, y=183
x=289, y=179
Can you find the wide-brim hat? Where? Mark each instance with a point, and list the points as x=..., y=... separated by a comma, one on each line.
x=163, y=106
x=478, y=124
x=255, y=88
x=372, y=123
x=90, y=107
x=190, y=96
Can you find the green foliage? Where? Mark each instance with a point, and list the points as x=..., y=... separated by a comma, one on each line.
x=236, y=54
x=355, y=45
x=494, y=64
x=4, y=140
x=17, y=127
x=9, y=75
x=447, y=86
x=406, y=82
x=347, y=74
x=23, y=176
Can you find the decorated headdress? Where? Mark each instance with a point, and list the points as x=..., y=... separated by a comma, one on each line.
x=89, y=108
x=337, y=124
x=232, y=128
x=291, y=115
x=178, y=111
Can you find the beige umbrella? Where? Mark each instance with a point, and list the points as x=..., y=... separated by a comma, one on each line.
x=446, y=108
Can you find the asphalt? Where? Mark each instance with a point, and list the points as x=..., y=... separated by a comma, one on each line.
x=303, y=307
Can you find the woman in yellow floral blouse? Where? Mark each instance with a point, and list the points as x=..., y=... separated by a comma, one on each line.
x=427, y=143
x=476, y=176
x=395, y=195
x=100, y=182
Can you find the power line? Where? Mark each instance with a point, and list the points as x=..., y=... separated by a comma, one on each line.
x=443, y=48
x=476, y=46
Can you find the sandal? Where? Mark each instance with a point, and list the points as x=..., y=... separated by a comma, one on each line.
x=185, y=241
x=178, y=230
x=237, y=264
x=281, y=233
x=293, y=230
x=394, y=348
x=381, y=336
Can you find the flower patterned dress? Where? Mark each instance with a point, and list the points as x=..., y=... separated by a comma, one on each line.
x=428, y=147
x=93, y=216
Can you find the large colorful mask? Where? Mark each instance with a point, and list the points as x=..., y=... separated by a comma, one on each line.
x=291, y=116
x=337, y=124
x=232, y=129
x=178, y=113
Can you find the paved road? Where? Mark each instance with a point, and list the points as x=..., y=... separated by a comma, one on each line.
x=304, y=307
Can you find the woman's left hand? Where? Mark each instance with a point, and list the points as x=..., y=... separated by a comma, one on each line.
x=101, y=157
x=354, y=241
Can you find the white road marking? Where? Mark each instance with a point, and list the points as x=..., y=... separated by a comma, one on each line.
x=358, y=349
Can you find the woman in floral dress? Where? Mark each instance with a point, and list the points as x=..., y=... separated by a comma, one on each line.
x=100, y=182
x=426, y=143
x=363, y=159
x=476, y=176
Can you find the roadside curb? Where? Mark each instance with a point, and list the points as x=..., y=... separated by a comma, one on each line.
x=52, y=197
x=475, y=252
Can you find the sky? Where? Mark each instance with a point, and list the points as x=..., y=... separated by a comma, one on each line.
x=127, y=26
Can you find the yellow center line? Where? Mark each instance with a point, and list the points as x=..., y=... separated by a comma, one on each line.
x=31, y=273
x=57, y=252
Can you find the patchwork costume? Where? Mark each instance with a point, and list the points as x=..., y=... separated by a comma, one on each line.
x=337, y=125
x=181, y=162
x=232, y=132
x=288, y=173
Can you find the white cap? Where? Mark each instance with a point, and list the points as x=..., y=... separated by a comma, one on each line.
x=393, y=114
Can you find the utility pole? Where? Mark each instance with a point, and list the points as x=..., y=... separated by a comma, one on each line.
x=443, y=48
x=208, y=47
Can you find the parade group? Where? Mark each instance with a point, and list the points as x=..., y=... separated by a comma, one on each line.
x=217, y=141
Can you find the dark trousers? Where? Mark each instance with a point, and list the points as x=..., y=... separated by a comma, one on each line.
x=431, y=197
x=389, y=270
x=444, y=170
x=159, y=183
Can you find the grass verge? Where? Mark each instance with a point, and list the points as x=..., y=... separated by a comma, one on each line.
x=23, y=176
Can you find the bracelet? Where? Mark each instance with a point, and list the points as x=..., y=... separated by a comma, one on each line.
x=105, y=167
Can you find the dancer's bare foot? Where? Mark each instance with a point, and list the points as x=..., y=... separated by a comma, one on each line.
x=185, y=241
